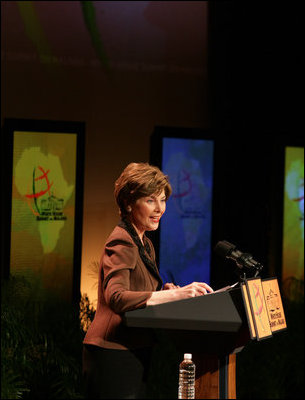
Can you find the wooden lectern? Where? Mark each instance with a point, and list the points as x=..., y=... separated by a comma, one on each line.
x=213, y=328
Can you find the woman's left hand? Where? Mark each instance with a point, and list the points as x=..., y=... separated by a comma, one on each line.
x=168, y=286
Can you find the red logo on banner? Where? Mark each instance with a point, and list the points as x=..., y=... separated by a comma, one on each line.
x=35, y=195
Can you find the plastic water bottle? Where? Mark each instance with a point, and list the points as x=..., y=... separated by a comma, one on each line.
x=187, y=368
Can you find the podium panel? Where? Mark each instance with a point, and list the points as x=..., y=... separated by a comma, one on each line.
x=212, y=327
x=218, y=312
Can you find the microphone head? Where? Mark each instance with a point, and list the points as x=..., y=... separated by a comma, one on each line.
x=224, y=249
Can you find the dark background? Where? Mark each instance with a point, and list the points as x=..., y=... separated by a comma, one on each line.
x=256, y=85
x=257, y=93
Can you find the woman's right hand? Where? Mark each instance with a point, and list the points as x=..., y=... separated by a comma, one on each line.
x=194, y=289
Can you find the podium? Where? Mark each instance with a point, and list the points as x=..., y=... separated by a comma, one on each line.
x=212, y=327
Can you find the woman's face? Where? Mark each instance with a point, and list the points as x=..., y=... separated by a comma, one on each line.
x=146, y=212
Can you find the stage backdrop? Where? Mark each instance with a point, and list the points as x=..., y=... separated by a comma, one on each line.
x=186, y=227
x=293, y=232
x=45, y=185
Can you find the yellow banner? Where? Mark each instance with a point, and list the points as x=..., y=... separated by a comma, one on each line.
x=274, y=304
x=258, y=308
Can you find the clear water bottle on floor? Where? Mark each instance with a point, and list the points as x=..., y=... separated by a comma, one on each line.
x=187, y=368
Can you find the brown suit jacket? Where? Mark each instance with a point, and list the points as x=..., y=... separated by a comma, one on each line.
x=125, y=283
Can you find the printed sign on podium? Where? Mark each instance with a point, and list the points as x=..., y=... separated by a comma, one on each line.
x=248, y=310
x=264, y=308
x=274, y=304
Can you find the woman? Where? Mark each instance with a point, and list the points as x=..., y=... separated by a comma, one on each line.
x=116, y=358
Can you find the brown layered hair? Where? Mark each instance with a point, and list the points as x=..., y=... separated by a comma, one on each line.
x=139, y=180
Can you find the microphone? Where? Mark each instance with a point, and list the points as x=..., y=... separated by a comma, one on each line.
x=225, y=249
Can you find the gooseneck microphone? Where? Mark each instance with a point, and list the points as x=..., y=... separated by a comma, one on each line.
x=225, y=249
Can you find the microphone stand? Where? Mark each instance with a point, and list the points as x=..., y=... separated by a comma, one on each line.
x=243, y=275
